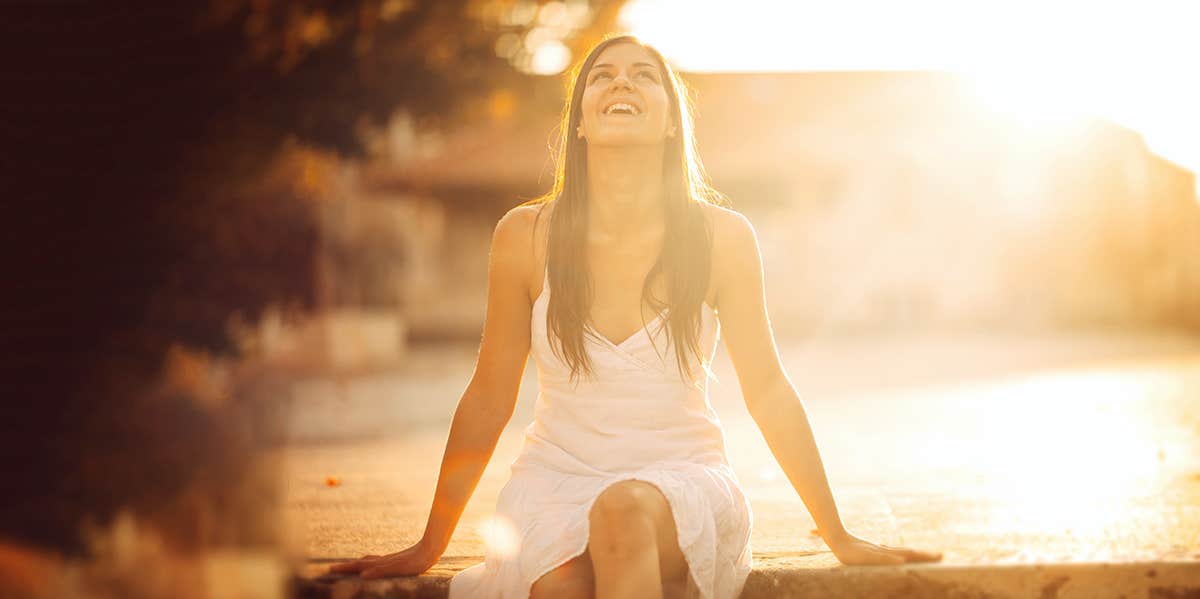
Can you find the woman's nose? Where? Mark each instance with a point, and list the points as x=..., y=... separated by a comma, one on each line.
x=622, y=80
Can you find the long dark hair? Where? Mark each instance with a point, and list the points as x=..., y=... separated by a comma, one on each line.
x=686, y=255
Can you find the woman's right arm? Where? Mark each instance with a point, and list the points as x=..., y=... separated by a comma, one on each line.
x=487, y=404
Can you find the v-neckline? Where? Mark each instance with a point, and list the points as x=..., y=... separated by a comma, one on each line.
x=545, y=293
x=600, y=336
x=643, y=329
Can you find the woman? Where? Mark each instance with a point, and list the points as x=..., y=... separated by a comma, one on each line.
x=623, y=487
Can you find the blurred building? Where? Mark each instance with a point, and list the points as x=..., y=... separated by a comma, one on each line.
x=883, y=201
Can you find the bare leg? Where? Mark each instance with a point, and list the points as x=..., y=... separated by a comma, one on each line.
x=572, y=580
x=633, y=542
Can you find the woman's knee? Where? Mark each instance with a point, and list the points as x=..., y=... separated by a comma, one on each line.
x=634, y=514
x=629, y=501
x=572, y=580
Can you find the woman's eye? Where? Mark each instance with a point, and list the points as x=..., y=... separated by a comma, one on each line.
x=597, y=76
x=648, y=75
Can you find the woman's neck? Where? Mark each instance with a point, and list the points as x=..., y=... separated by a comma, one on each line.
x=624, y=191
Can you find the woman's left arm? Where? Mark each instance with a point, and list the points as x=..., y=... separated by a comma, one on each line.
x=769, y=395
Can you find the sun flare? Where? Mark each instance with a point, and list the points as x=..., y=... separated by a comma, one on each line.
x=1040, y=64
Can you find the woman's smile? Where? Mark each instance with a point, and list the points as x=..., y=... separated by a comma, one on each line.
x=625, y=101
x=622, y=108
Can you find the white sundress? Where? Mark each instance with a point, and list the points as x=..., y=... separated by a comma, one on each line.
x=637, y=419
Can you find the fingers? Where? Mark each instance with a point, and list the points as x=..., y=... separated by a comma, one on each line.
x=870, y=554
x=383, y=570
x=355, y=566
x=348, y=567
x=877, y=557
x=915, y=555
x=888, y=555
x=401, y=563
x=391, y=565
x=377, y=572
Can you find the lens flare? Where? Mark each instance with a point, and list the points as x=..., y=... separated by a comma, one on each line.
x=500, y=535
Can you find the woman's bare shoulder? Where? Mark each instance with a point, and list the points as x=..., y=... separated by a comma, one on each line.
x=524, y=222
x=521, y=234
x=731, y=229
x=736, y=261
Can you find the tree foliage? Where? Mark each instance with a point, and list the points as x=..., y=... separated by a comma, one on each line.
x=139, y=134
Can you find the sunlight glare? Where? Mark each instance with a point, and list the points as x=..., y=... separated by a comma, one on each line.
x=1041, y=65
x=769, y=473
x=500, y=536
x=1055, y=467
x=1033, y=100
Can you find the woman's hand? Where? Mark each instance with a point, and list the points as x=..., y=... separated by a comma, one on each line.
x=408, y=562
x=853, y=551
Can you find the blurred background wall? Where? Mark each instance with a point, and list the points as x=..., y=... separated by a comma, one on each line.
x=884, y=202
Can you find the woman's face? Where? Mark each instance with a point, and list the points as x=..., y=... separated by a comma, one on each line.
x=625, y=99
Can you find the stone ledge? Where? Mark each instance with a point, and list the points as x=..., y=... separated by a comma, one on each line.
x=810, y=576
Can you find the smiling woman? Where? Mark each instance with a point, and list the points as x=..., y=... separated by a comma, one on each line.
x=623, y=487
x=616, y=114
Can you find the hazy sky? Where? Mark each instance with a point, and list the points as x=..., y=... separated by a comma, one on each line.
x=1137, y=63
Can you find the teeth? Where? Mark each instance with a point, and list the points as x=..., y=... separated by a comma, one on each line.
x=619, y=105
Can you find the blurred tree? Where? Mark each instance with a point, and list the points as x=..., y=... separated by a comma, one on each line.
x=139, y=137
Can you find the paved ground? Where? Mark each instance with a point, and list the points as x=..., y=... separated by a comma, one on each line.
x=1018, y=452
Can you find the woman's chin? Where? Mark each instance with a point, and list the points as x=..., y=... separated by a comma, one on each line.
x=625, y=141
